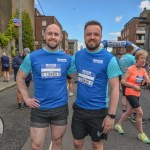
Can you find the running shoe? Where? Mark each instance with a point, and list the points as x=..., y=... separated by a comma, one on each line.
x=70, y=94
x=134, y=120
x=119, y=129
x=19, y=108
x=143, y=138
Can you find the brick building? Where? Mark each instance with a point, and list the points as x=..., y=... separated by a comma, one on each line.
x=135, y=30
x=9, y=7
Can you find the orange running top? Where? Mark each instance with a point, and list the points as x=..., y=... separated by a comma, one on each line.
x=136, y=78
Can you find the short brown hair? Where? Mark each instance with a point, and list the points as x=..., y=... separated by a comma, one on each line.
x=141, y=53
x=93, y=22
x=129, y=49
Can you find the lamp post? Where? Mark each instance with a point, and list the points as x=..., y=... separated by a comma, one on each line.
x=20, y=25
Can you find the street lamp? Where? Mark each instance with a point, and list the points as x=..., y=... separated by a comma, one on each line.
x=20, y=25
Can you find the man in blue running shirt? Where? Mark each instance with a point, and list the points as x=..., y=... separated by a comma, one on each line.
x=126, y=61
x=50, y=67
x=94, y=114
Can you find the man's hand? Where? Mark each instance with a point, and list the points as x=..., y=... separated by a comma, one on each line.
x=108, y=124
x=32, y=102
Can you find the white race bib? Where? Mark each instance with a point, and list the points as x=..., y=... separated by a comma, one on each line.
x=86, y=77
x=50, y=71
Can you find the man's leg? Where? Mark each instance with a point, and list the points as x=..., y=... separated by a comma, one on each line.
x=57, y=133
x=124, y=104
x=37, y=137
x=19, y=99
x=97, y=145
x=78, y=144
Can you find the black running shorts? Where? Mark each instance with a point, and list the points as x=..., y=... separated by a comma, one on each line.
x=133, y=101
x=88, y=122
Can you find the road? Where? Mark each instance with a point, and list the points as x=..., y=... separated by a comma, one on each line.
x=16, y=126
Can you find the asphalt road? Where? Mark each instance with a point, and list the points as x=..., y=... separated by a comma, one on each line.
x=16, y=126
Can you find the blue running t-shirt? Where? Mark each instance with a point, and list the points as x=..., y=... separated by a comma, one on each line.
x=94, y=71
x=49, y=71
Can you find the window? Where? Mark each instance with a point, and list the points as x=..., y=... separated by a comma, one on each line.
x=44, y=23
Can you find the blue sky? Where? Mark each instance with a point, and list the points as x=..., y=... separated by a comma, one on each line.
x=73, y=14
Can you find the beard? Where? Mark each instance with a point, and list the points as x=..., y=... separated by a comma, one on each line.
x=52, y=46
x=92, y=47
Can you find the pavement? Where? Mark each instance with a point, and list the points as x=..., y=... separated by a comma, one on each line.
x=6, y=85
x=115, y=141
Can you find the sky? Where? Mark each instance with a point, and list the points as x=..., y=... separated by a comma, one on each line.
x=73, y=14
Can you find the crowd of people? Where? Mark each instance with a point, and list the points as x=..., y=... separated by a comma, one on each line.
x=99, y=77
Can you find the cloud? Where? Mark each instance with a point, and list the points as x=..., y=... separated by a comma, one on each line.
x=144, y=4
x=114, y=35
x=81, y=45
x=118, y=19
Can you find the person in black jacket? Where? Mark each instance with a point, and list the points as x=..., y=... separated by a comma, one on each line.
x=16, y=62
x=5, y=66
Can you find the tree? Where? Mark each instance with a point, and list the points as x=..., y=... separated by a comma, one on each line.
x=27, y=32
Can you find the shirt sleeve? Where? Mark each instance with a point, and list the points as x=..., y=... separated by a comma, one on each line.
x=26, y=65
x=113, y=69
x=72, y=68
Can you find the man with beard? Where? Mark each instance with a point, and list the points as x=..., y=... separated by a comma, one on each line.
x=94, y=114
x=50, y=67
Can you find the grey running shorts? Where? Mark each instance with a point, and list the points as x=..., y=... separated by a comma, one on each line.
x=43, y=118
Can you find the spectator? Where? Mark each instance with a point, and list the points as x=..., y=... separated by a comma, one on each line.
x=16, y=62
x=5, y=66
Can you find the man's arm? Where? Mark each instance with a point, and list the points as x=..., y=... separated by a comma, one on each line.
x=108, y=123
x=114, y=95
x=31, y=102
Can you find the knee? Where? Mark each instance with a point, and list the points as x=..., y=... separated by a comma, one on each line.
x=57, y=142
x=97, y=145
x=139, y=113
x=36, y=146
x=78, y=143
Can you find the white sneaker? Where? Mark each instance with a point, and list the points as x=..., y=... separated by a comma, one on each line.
x=70, y=94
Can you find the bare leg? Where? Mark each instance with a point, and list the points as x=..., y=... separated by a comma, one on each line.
x=57, y=133
x=124, y=103
x=37, y=137
x=78, y=144
x=19, y=97
x=4, y=74
x=139, y=115
x=97, y=145
x=125, y=114
x=7, y=75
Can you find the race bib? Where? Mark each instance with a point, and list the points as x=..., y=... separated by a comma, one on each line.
x=139, y=79
x=50, y=71
x=86, y=77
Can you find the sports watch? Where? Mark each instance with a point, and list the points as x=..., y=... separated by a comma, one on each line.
x=111, y=116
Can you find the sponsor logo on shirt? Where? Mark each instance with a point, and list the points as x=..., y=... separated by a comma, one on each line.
x=61, y=60
x=98, y=61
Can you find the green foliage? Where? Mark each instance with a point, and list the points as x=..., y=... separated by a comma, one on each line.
x=12, y=32
x=12, y=51
x=27, y=32
x=4, y=40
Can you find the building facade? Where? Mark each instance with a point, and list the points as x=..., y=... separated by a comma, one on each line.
x=72, y=45
x=135, y=30
x=65, y=40
x=41, y=23
x=9, y=7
